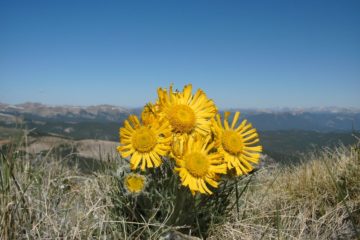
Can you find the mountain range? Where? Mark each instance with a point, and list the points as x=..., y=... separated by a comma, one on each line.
x=311, y=119
x=285, y=133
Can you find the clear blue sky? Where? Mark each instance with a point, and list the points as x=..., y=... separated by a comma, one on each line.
x=242, y=53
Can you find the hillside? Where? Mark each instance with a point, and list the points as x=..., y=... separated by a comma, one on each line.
x=285, y=134
x=43, y=199
x=311, y=119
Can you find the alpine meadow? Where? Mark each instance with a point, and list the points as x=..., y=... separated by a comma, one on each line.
x=180, y=120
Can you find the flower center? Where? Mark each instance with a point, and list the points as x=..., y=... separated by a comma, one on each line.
x=134, y=183
x=197, y=164
x=144, y=139
x=232, y=142
x=182, y=118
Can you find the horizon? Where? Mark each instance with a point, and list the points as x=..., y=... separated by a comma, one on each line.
x=272, y=109
x=243, y=55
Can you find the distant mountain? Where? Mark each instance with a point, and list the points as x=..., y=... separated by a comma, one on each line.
x=298, y=110
x=41, y=112
x=285, y=133
x=311, y=119
x=326, y=119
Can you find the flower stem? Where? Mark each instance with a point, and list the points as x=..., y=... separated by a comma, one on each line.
x=179, y=204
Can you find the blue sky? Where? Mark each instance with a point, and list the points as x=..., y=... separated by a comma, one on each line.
x=248, y=54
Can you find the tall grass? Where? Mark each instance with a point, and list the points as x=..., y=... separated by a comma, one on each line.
x=43, y=198
x=319, y=199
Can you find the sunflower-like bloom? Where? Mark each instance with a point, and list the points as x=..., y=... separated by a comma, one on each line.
x=148, y=115
x=237, y=143
x=134, y=183
x=186, y=113
x=145, y=143
x=198, y=165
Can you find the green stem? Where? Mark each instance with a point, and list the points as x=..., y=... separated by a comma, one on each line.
x=237, y=199
x=179, y=203
x=197, y=219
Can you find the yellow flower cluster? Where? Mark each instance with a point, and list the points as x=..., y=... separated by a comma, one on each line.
x=187, y=128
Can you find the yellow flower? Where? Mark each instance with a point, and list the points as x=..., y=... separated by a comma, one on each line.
x=145, y=143
x=134, y=183
x=148, y=115
x=186, y=113
x=236, y=143
x=177, y=147
x=198, y=165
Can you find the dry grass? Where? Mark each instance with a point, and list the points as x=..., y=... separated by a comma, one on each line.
x=319, y=199
x=41, y=198
x=47, y=200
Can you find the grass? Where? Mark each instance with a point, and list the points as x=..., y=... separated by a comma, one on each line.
x=42, y=198
x=319, y=199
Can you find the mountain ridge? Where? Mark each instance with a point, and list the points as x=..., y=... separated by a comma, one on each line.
x=314, y=119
